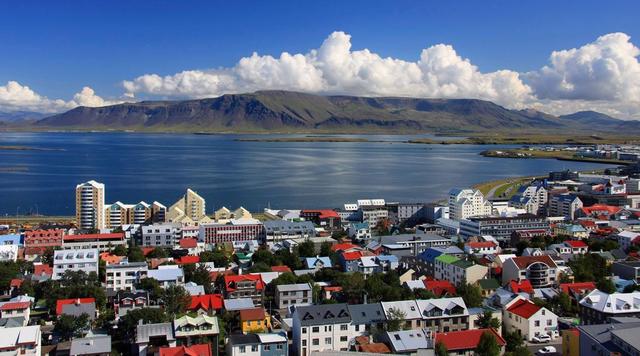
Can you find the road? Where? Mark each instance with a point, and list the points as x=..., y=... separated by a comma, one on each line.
x=557, y=343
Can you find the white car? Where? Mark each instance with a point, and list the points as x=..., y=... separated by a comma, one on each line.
x=546, y=350
x=542, y=338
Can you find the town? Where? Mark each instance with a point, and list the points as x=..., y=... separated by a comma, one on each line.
x=552, y=268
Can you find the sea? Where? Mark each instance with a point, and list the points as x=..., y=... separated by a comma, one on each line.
x=230, y=172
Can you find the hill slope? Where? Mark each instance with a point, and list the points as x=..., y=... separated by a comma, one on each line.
x=283, y=111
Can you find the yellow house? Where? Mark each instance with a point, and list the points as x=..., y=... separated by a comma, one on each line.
x=571, y=342
x=255, y=320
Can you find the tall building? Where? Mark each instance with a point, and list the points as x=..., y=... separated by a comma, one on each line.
x=466, y=203
x=190, y=208
x=90, y=212
x=118, y=214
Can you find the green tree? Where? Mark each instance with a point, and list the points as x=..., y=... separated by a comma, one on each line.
x=441, y=349
x=471, y=294
x=263, y=256
x=259, y=267
x=421, y=293
x=127, y=324
x=158, y=252
x=325, y=249
x=47, y=257
x=135, y=254
x=487, y=320
x=396, y=319
x=218, y=257
x=307, y=249
x=68, y=326
x=488, y=345
x=353, y=286
x=119, y=250
x=176, y=300
x=202, y=276
x=513, y=340
x=606, y=285
x=152, y=286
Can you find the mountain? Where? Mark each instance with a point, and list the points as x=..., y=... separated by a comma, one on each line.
x=282, y=111
x=20, y=116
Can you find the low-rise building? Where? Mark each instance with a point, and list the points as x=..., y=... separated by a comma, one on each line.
x=629, y=270
x=85, y=260
x=457, y=271
x=188, y=330
x=325, y=327
x=255, y=320
x=167, y=275
x=409, y=342
x=288, y=295
x=167, y=234
x=598, y=307
x=359, y=231
x=502, y=227
x=528, y=319
x=25, y=340
x=280, y=230
x=465, y=342
x=36, y=242
x=257, y=345
x=102, y=242
x=573, y=231
x=235, y=230
x=97, y=345
x=18, y=311
x=125, y=275
x=481, y=248
x=244, y=286
x=541, y=271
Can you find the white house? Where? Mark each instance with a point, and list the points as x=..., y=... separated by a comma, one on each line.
x=8, y=252
x=481, y=248
x=23, y=340
x=167, y=275
x=528, y=319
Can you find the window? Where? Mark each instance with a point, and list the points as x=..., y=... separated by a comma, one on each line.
x=304, y=342
x=254, y=348
x=315, y=342
x=327, y=328
x=537, y=323
x=344, y=327
x=243, y=349
x=315, y=329
x=327, y=341
x=343, y=338
x=266, y=347
x=549, y=322
x=304, y=330
x=280, y=346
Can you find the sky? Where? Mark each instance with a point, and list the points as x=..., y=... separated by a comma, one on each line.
x=555, y=56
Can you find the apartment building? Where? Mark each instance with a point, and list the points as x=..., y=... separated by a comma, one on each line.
x=85, y=260
x=457, y=271
x=125, y=275
x=502, y=227
x=532, y=198
x=565, y=205
x=90, y=205
x=293, y=295
x=325, y=327
x=234, y=230
x=102, y=242
x=598, y=307
x=280, y=230
x=190, y=209
x=118, y=214
x=36, y=242
x=417, y=243
x=244, y=286
x=466, y=203
x=166, y=234
x=541, y=271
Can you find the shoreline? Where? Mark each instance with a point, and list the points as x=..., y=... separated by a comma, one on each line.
x=557, y=155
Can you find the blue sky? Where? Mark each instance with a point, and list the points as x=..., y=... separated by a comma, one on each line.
x=57, y=48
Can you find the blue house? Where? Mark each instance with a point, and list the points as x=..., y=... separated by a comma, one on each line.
x=12, y=239
x=317, y=262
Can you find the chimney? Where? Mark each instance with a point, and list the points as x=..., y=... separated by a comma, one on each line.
x=77, y=301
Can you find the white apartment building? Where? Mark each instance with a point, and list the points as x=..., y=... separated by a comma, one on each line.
x=125, y=275
x=167, y=234
x=466, y=203
x=325, y=327
x=90, y=212
x=85, y=260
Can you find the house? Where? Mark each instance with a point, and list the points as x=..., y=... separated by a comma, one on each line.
x=85, y=260
x=629, y=270
x=465, y=342
x=98, y=345
x=481, y=248
x=193, y=350
x=628, y=238
x=424, y=263
x=167, y=275
x=443, y=315
x=521, y=286
x=439, y=288
x=598, y=307
x=359, y=231
x=188, y=330
x=577, y=291
x=22, y=340
x=76, y=307
x=619, y=338
x=407, y=308
x=367, y=317
x=206, y=303
x=458, y=271
x=409, y=341
x=125, y=301
x=577, y=247
x=488, y=286
x=244, y=286
x=327, y=219
x=255, y=320
x=528, y=319
x=151, y=337
x=574, y=231
x=257, y=345
x=350, y=260
x=317, y=262
x=325, y=327
x=293, y=294
x=19, y=311
x=541, y=271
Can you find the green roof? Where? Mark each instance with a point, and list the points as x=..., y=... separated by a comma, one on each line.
x=447, y=258
x=489, y=284
x=463, y=263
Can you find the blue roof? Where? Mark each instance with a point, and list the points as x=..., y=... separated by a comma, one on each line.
x=432, y=253
x=11, y=239
x=388, y=258
x=361, y=225
x=310, y=262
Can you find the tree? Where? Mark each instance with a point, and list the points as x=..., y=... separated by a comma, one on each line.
x=127, y=324
x=307, y=249
x=421, y=293
x=441, y=349
x=10, y=270
x=487, y=320
x=135, y=254
x=396, y=319
x=218, y=257
x=606, y=285
x=263, y=256
x=152, y=286
x=471, y=294
x=259, y=267
x=47, y=257
x=119, y=250
x=158, y=252
x=176, y=300
x=513, y=340
x=488, y=345
x=325, y=249
x=202, y=277
x=68, y=326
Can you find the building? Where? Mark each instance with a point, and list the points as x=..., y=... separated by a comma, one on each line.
x=19, y=311
x=629, y=270
x=532, y=198
x=325, y=327
x=481, y=248
x=442, y=315
x=118, y=214
x=280, y=230
x=189, y=210
x=566, y=205
x=164, y=235
x=24, y=340
x=9, y=252
x=36, y=242
x=254, y=320
x=465, y=342
x=501, y=228
x=150, y=337
x=619, y=338
x=411, y=211
x=598, y=307
x=466, y=203
x=528, y=319
x=293, y=295
x=457, y=271
x=541, y=271
x=325, y=218
x=90, y=205
x=98, y=345
x=125, y=275
x=101, y=242
x=85, y=260
x=188, y=330
x=234, y=230
x=77, y=307
x=359, y=231
x=417, y=243
x=573, y=231
x=244, y=286
x=409, y=342
x=167, y=275
x=257, y=345
x=191, y=350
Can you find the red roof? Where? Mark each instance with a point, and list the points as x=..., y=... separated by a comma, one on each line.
x=15, y=283
x=206, y=302
x=587, y=223
x=576, y=243
x=116, y=235
x=350, y=256
x=465, y=339
x=377, y=347
x=322, y=213
x=332, y=288
x=39, y=270
x=601, y=209
x=252, y=314
x=193, y=350
x=524, y=308
x=344, y=247
x=523, y=286
x=440, y=288
x=577, y=287
x=15, y=305
x=188, y=243
x=525, y=261
x=281, y=269
x=229, y=281
x=481, y=244
x=147, y=250
x=187, y=260
x=61, y=302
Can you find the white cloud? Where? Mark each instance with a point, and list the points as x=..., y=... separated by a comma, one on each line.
x=15, y=96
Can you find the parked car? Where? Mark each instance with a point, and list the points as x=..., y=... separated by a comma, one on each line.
x=554, y=334
x=546, y=350
x=542, y=338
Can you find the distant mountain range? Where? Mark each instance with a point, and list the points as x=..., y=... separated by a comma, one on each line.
x=282, y=111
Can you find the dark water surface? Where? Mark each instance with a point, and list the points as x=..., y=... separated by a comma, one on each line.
x=226, y=172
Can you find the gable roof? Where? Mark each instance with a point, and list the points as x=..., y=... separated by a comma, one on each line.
x=465, y=339
x=440, y=288
x=524, y=308
x=525, y=261
x=15, y=305
x=60, y=303
x=188, y=243
x=323, y=314
x=231, y=280
x=408, y=307
x=206, y=302
x=522, y=286
x=576, y=243
x=366, y=313
x=193, y=350
x=252, y=314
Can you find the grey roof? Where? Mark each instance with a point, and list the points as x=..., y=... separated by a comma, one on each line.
x=91, y=345
x=601, y=333
x=391, y=239
x=618, y=254
x=366, y=313
x=293, y=287
x=409, y=340
x=144, y=332
x=323, y=314
x=288, y=226
x=12, y=322
x=242, y=339
x=629, y=336
x=238, y=304
x=79, y=309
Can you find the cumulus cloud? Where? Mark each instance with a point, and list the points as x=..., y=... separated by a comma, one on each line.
x=15, y=96
x=335, y=68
